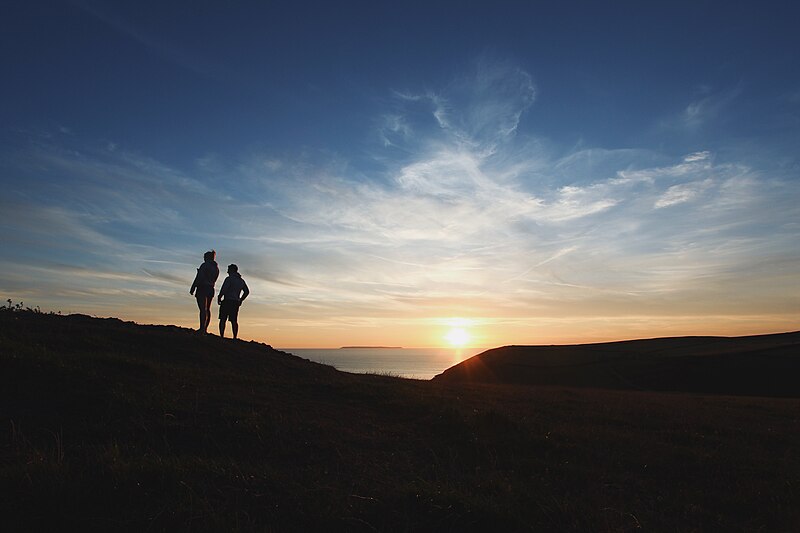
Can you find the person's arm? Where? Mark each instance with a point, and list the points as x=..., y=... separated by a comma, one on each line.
x=222, y=290
x=246, y=292
x=194, y=283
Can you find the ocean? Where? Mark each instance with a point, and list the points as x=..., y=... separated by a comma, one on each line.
x=416, y=363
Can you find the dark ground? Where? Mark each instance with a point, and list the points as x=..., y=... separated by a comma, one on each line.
x=758, y=365
x=107, y=425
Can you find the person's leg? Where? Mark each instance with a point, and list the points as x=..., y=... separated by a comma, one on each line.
x=201, y=305
x=223, y=316
x=234, y=317
x=208, y=311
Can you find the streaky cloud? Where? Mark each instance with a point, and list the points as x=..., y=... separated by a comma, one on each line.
x=472, y=216
x=701, y=112
x=678, y=194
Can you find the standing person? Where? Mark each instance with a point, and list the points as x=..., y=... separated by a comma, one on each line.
x=204, y=281
x=229, y=300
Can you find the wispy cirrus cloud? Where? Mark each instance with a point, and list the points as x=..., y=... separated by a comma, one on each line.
x=678, y=194
x=484, y=108
x=457, y=213
x=456, y=221
x=707, y=107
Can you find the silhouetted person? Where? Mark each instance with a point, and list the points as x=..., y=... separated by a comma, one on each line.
x=204, y=281
x=233, y=292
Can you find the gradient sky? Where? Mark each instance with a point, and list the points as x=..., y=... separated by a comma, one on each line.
x=532, y=172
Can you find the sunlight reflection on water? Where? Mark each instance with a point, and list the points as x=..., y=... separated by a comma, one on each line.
x=417, y=363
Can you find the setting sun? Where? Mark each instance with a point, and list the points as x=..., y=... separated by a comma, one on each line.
x=457, y=337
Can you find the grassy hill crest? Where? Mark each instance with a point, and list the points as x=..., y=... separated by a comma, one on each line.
x=757, y=365
x=107, y=424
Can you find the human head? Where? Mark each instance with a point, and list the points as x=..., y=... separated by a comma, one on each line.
x=232, y=268
x=209, y=255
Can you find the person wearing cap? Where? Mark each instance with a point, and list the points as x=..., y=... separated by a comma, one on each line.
x=233, y=292
x=203, y=288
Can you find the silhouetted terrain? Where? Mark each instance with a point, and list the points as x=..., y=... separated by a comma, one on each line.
x=108, y=425
x=761, y=365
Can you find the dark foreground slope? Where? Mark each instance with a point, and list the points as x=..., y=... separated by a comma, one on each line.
x=106, y=425
x=761, y=365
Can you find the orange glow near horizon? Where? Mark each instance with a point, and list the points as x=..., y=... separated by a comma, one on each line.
x=457, y=337
x=262, y=323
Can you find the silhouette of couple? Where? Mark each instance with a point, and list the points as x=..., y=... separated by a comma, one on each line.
x=233, y=292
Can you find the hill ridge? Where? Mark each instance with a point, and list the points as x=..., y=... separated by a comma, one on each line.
x=758, y=365
x=106, y=424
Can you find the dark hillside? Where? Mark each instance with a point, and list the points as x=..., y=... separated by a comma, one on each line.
x=762, y=365
x=107, y=425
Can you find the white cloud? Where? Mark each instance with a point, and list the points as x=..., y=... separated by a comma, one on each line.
x=699, y=113
x=697, y=156
x=394, y=126
x=678, y=194
x=472, y=215
x=483, y=109
x=576, y=202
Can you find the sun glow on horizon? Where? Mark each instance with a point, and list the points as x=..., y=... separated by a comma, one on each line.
x=458, y=337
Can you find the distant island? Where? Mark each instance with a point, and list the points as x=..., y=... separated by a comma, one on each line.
x=371, y=348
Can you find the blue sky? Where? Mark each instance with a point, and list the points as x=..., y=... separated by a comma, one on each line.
x=382, y=172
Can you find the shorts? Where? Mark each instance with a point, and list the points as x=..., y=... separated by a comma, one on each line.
x=229, y=310
x=204, y=293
